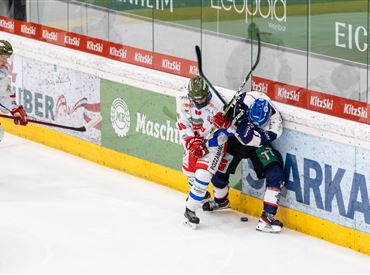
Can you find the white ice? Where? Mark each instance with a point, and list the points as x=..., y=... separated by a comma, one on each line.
x=63, y=214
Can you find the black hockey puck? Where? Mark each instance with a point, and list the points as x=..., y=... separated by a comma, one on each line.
x=244, y=219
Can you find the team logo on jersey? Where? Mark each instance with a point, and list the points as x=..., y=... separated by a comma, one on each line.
x=120, y=117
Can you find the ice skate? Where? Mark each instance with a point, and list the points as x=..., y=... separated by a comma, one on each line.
x=191, y=219
x=211, y=205
x=268, y=223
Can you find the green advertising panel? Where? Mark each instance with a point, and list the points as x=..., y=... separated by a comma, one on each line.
x=140, y=123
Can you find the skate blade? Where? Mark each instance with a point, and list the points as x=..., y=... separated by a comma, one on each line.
x=217, y=209
x=191, y=225
x=222, y=208
x=268, y=229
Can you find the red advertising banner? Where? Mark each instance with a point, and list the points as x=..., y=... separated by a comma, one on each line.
x=29, y=30
x=119, y=52
x=74, y=40
x=313, y=100
x=281, y=92
x=96, y=46
x=7, y=25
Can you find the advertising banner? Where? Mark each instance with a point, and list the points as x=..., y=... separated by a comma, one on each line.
x=58, y=95
x=313, y=100
x=140, y=123
x=324, y=178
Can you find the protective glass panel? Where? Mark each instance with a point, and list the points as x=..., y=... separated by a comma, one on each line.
x=97, y=19
x=51, y=13
x=131, y=24
x=226, y=52
x=176, y=27
x=6, y=9
x=77, y=17
x=338, y=48
x=32, y=11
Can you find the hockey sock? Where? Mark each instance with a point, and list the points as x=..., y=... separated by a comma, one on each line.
x=198, y=189
x=271, y=200
x=220, y=194
x=191, y=181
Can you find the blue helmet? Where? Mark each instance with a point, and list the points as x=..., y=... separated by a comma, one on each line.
x=259, y=112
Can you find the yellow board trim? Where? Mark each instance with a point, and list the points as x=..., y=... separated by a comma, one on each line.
x=174, y=179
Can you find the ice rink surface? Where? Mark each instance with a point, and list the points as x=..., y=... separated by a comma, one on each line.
x=63, y=214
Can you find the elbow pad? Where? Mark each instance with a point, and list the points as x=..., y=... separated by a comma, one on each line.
x=266, y=136
x=247, y=135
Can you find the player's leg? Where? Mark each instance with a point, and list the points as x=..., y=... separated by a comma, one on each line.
x=205, y=168
x=189, y=168
x=220, y=182
x=196, y=195
x=273, y=172
x=189, y=163
x=274, y=180
x=191, y=180
x=220, y=201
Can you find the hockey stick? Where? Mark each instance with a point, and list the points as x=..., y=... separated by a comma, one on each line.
x=84, y=128
x=200, y=69
x=238, y=92
x=231, y=104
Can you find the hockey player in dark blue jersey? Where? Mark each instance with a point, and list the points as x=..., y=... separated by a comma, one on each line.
x=250, y=128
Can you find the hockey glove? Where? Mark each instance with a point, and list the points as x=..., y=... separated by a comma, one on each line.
x=196, y=147
x=220, y=121
x=20, y=116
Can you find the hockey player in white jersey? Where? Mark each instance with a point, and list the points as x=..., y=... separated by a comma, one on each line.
x=251, y=127
x=7, y=95
x=195, y=110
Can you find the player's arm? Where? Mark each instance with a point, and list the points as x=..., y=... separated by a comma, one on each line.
x=8, y=100
x=276, y=122
x=183, y=122
x=273, y=129
x=191, y=141
x=7, y=95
